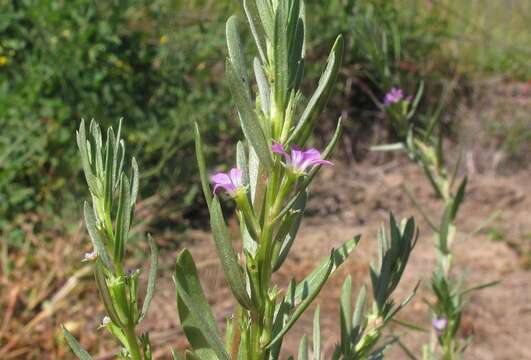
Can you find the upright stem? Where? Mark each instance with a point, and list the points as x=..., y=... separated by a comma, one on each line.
x=132, y=341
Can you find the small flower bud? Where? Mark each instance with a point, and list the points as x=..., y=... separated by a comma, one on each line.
x=90, y=256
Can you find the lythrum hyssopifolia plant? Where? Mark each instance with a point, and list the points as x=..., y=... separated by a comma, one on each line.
x=270, y=185
x=108, y=219
x=424, y=144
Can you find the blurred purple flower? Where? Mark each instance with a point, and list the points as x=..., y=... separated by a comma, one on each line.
x=300, y=160
x=230, y=181
x=91, y=256
x=439, y=324
x=393, y=96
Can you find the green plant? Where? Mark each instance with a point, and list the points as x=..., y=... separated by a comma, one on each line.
x=270, y=186
x=424, y=145
x=108, y=220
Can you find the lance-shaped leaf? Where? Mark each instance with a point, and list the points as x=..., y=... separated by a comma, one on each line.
x=197, y=320
x=337, y=258
x=94, y=234
x=241, y=161
x=309, y=292
x=105, y=295
x=201, y=164
x=319, y=99
x=75, y=346
x=108, y=188
x=227, y=255
x=123, y=220
x=280, y=56
x=317, y=333
x=85, y=158
x=263, y=87
x=253, y=17
x=249, y=121
x=152, y=277
x=299, y=206
x=445, y=231
x=257, y=179
x=134, y=182
x=303, y=348
x=357, y=318
x=459, y=196
x=346, y=316
x=309, y=288
x=267, y=17
x=236, y=55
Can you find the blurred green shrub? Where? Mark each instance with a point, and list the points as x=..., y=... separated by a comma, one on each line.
x=156, y=63
x=152, y=62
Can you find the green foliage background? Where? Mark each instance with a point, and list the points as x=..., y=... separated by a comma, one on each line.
x=159, y=65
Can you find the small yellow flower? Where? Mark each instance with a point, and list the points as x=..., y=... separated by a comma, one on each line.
x=163, y=39
x=3, y=60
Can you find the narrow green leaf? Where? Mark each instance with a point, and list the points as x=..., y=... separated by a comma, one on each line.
x=197, y=320
x=388, y=147
x=410, y=325
x=249, y=121
x=317, y=333
x=299, y=206
x=134, y=182
x=236, y=55
x=75, y=346
x=152, y=277
x=241, y=162
x=480, y=287
x=227, y=255
x=337, y=258
x=108, y=189
x=280, y=56
x=263, y=87
x=265, y=11
x=359, y=309
x=445, y=229
x=459, y=196
x=123, y=220
x=97, y=142
x=94, y=234
x=85, y=160
x=346, y=315
x=253, y=17
x=303, y=348
x=201, y=164
x=105, y=295
x=308, y=292
x=319, y=99
x=309, y=288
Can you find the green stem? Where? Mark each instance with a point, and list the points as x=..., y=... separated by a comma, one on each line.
x=134, y=348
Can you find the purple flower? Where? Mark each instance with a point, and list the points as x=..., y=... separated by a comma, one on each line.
x=439, y=324
x=300, y=160
x=91, y=256
x=393, y=96
x=230, y=182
